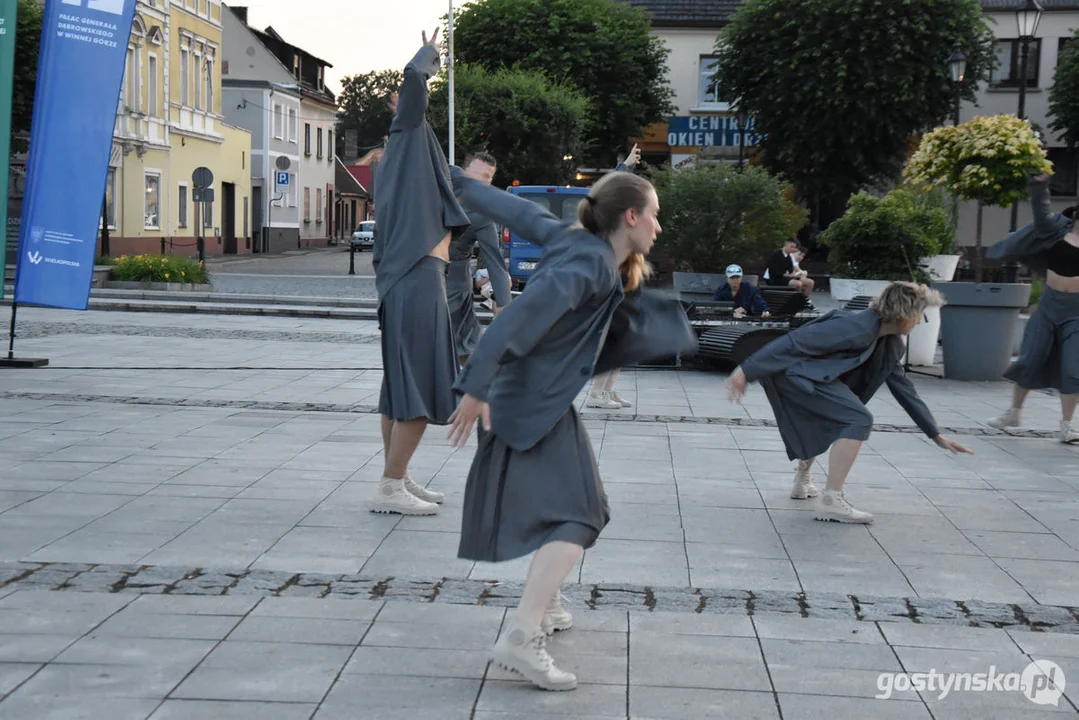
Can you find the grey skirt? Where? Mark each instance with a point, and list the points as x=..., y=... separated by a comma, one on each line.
x=419, y=366
x=1049, y=354
x=517, y=502
x=466, y=326
x=810, y=420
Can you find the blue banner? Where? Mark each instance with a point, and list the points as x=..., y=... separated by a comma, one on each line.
x=708, y=131
x=79, y=75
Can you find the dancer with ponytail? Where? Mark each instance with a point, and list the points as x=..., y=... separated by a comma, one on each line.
x=534, y=484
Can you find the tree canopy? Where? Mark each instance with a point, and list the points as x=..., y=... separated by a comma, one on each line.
x=364, y=108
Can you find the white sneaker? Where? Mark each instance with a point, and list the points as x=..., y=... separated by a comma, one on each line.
x=394, y=498
x=803, y=482
x=556, y=616
x=431, y=496
x=1068, y=434
x=619, y=399
x=832, y=505
x=1009, y=418
x=602, y=399
x=525, y=653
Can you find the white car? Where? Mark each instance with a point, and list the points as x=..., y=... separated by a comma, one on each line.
x=364, y=235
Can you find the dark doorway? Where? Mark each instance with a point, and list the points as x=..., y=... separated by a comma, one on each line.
x=228, y=217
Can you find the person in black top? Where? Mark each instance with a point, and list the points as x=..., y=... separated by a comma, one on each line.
x=780, y=270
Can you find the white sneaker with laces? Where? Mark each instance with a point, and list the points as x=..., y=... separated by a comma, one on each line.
x=525, y=652
x=392, y=497
x=556, y=616
x=833, y=506
x=620, y=400
x=431, y=496
x=1011, y=417
x=803, y=482
x=1068, y=434
x=602, y=399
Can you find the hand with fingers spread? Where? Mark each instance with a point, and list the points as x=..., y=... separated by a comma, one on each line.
x=955, y=447
x=464, y=417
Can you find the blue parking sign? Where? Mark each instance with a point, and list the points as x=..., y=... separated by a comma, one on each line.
x=282, y=178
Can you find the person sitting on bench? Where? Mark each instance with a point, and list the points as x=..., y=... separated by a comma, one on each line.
x=746, y=297
x=781, y=270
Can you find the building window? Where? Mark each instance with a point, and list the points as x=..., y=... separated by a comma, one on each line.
x=1065, y=178
x=209, y=80
x=185, y=64
x=1006, y=74
x=278, y=122
x=110, y=198
x=151, y=82
x=181, y=206
x=330, y=152
x=307, y=204
x=152, y=209
x=197, y=76
x=320, y=142
x=292, y=125
x=706, y=87
x=307, y=138
x=246, y=215
x=134, y=80
x=292, y=189
x=318, y=205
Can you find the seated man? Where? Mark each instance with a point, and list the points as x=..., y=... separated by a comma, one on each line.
x=746, y=298
x=782, y=270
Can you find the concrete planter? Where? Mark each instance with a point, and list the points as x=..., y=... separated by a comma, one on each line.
x=101, y=276
x=979, y=327
x=164, y=286
x=941, y=268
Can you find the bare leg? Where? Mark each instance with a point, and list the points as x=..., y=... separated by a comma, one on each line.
x=387, y=432
x=1067, y=406
x=840, y=460
x=550, y=566
x=1019, y=396
x=404, y=440
x=807, y=286
x=1012, y=417
x=609, y=379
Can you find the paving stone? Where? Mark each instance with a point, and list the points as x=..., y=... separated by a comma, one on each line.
x=877, y=609
x=828, y=606
x=622, y=597
x=208, y=584
x=154, y=577
x=930, y=610
x=725, y=602
x=98, y=580
x=1047, y=615
x=991, y=614
x=770, y=601
x=676, y=600
x=409, y=589
x=261, y=582
x=461, y=591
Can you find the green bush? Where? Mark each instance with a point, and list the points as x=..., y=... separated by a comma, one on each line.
x=158, y=268
x=104, y=260
x=712, y=215
x=886, y=238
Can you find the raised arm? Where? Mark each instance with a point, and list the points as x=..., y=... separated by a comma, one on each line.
x=526, y=218
x=487, y=240
x=1044, y=217
x=517, y=329
x=412, y=99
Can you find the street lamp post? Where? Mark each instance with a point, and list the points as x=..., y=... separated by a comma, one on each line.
x=1028, y=13
x=449, y=67
x=958, y=64
x=741, y=116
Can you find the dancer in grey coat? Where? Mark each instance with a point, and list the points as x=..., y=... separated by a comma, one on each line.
x=819, y=377
x=1049, y=355
x=417, y=216
x=534, y=485
x=459, y=284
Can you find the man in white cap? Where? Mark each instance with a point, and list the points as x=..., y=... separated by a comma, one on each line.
x=746, y=298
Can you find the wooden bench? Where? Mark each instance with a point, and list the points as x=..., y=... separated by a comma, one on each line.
x=732, y=344
x=784, y=301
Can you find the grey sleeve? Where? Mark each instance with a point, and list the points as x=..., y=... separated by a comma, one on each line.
x=906, y=395
x=487, y=240
x=525, y=321
x=1044, y=217
x=533, y=223
x=818, y=339
x=412, y=98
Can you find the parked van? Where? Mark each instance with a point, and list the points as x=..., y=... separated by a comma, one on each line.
x=559, y=200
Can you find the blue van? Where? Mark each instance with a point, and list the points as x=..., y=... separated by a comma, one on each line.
x=561, y=201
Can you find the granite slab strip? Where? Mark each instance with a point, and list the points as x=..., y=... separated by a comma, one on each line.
x=145, y=579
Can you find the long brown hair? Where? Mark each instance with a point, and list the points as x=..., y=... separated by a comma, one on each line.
x=601, y=212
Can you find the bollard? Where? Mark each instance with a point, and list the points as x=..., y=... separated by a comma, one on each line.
x=162, y=246
x=351, y=259
x=202, y=249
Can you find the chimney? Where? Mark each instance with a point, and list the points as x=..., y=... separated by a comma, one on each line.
x=241, y=12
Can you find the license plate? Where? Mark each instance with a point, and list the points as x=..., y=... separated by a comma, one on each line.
x=526, y=266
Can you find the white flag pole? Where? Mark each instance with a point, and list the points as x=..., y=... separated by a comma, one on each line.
x=449, y=56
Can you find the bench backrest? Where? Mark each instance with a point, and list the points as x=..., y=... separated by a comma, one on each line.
x=701, y=286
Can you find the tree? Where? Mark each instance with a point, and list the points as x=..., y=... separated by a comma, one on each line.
x=24, y=82
x=1064, y=95
x=837, y=88
x=712, y=215
x=605, y=48
x=528, y=123
x=364, y=108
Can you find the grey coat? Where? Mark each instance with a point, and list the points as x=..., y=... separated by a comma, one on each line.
x=540, y=351
x=1030, y=244
x=481, y=234
x=414, y=195
x=839, y=343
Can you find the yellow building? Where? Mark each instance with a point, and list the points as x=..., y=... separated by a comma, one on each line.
x=168, y=124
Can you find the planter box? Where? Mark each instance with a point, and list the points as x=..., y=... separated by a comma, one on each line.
x=101, y=276
x=979, y=327
x=165, y=286
x=843, y=289
x=941, y=268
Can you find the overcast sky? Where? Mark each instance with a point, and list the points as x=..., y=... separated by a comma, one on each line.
x=357, y=36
